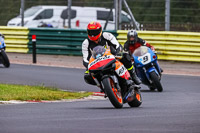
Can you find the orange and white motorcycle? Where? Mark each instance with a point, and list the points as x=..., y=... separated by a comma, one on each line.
x=112, y=77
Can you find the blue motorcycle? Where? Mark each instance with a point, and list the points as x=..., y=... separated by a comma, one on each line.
x=147, y=67
x=3, y=56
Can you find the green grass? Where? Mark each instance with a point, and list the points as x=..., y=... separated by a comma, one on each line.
x=24, y=93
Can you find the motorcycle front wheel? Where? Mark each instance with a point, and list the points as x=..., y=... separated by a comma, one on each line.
x=156, y=81
x=113, y=93
x=5, y=59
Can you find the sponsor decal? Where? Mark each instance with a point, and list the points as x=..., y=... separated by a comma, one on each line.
x=121, y=71
x=101, y=59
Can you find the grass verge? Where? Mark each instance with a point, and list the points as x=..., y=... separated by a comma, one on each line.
x=24, y=93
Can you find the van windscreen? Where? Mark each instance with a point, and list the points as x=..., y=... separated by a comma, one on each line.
x=31, y=11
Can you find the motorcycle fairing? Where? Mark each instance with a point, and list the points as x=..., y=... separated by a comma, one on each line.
x=105, y=60
x=101, y=62
x=144, y=58
x=2, y=43
x=121, y=70
x=145, y=61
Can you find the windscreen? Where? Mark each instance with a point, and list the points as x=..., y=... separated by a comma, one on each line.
x=140, y=51
x=1, y=39
x=98, y=51
x=31, y=11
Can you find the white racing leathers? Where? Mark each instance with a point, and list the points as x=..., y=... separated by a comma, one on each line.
x=105, y=39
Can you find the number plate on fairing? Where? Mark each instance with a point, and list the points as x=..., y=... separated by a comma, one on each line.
x=145, y=59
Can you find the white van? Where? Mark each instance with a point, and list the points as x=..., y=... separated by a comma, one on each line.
x=80, y=17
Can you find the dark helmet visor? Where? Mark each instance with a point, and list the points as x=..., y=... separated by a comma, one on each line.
x=94, y=32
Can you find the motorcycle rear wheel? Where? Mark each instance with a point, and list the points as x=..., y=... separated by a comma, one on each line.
x=113, y=93
x=137, y=101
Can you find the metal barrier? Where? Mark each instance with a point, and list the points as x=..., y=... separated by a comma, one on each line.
x=177, y=46
x=16, y=39
x=58, y=41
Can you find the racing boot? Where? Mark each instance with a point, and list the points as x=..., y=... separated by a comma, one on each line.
x=134, y=77
x=131, y=85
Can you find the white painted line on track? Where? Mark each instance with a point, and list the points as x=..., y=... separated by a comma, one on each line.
x=92, y=97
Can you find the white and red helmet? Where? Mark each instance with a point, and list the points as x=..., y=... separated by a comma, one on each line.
x=94, y=30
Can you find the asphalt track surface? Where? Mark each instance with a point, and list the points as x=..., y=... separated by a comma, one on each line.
x=176, y=110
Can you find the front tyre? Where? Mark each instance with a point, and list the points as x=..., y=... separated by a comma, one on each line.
x=156, y=81
x=5, y=59
x=113, y=93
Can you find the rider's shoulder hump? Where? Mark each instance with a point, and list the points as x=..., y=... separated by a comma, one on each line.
x=85, y=42
x=108, y=35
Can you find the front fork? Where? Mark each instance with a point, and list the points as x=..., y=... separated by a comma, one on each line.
x=114, y=78
x=147, y=72
x=100, y=84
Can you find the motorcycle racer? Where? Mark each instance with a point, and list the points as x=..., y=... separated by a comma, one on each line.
x=97, y=38
x=133, y=42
